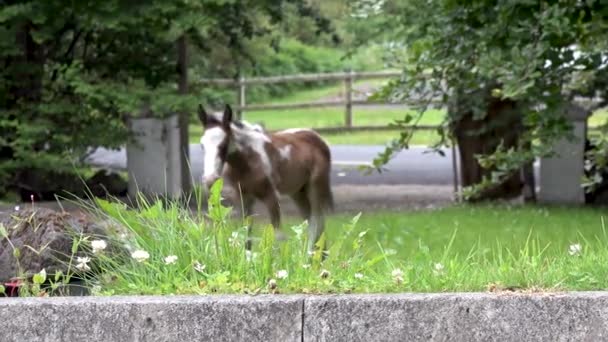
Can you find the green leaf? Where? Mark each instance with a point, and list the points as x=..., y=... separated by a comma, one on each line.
x=3, y=231
x=40, y=277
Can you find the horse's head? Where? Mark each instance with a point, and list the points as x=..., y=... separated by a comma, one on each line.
x=216, y=141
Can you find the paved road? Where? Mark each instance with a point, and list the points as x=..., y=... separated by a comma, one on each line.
x=414, y=166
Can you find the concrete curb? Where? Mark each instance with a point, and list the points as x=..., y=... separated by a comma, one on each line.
x=574, y=316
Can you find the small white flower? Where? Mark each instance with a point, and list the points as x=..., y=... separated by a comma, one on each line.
x=281, y=274
x=272, y=284
x=96, y=290
x=439, y=267
x=397, y=275
x=234, y=239
x=82, y=263
x=575, y=249
x=199, y=267
x=140, y=255
x=98, y=246
x=306, y=266
x=358, y=276
x=17, y=208
x=171, y=259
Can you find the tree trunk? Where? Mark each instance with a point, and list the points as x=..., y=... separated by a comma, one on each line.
x=503, y=123
x=184, y=119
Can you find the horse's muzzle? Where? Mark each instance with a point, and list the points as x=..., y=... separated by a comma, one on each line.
x=209, y=180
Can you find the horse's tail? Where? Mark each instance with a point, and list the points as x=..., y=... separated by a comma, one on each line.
x=326, y=192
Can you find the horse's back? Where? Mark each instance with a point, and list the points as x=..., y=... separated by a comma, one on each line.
x=308, y=162
x=303, y=139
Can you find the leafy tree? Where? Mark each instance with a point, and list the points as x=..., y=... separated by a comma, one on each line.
x=74, y=71
x=505, y=69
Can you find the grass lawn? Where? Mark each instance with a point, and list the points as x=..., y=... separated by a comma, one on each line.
x=460, y=248
x=482, y=228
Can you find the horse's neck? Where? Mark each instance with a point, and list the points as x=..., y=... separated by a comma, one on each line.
x=251, y=146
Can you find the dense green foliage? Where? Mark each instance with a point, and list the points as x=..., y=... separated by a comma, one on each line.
x=73, y=72
x=470, y=55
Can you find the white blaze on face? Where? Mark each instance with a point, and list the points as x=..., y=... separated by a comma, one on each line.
x=210, y=141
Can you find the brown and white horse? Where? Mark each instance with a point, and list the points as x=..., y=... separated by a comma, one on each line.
x=294, y=162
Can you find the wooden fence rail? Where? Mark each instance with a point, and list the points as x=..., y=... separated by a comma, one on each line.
x=348, y=78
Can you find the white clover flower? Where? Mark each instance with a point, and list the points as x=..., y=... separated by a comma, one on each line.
x=140, y=255
x=306, y=266
x=82, y=263
x=199, y=267
x=358, y=276
x=575, y=249
x=281, y=274
x=171, y=259
x=438, y=268
x=397, y=275
x=98, y=246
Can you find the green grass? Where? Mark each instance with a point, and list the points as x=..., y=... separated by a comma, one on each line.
x=481, y=227
x=460, y=248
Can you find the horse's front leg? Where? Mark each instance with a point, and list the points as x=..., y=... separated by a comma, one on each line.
x=271, y=200
x=248, y=203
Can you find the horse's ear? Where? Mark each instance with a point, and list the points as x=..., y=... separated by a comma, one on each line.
x=202, y=115
x=227, y=119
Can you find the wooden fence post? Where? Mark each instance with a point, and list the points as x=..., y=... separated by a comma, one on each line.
x=348, y=93
x=240, y=98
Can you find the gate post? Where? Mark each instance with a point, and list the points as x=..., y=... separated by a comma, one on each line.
x=561, y=175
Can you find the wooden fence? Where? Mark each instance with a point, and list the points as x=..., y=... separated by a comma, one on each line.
x=348, y=102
